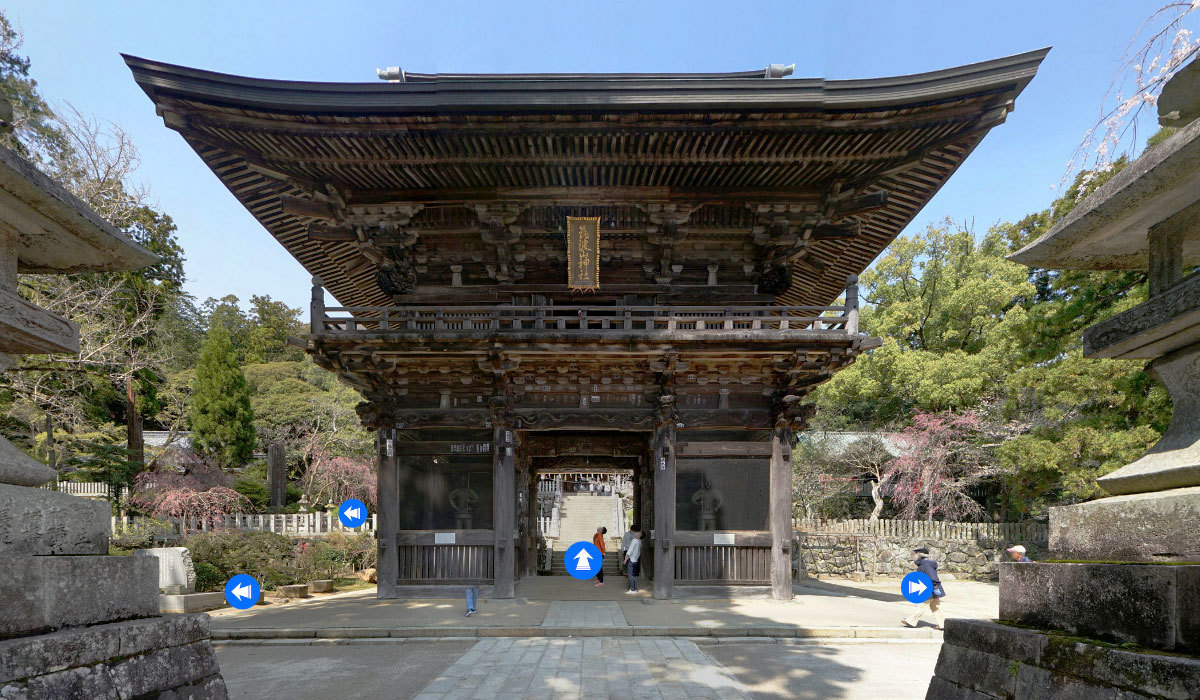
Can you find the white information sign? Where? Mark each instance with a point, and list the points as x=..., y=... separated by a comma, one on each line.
x=443, y=538
x=722, y=538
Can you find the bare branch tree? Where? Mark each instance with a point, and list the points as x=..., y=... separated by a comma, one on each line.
x=1159, y=48
x=870, y=457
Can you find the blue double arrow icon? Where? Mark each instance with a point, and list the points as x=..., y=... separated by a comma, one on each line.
x=916, y=587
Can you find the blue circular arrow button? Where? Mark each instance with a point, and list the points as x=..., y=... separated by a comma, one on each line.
x=352, y=512
x=583, y=560
x=242, y=591
x=916, y=587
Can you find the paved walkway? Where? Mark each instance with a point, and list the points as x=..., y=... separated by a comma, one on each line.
x=572, y=669
x=820, y=609
x=601, y=667
x=584, y=614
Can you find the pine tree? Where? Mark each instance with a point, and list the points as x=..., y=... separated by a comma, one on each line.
x=222, y=421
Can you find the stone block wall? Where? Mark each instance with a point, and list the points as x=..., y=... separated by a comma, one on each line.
x=966, y=552
x=152, y=658
x=984, y=660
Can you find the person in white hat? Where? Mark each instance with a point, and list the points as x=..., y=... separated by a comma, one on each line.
x=1017, y=552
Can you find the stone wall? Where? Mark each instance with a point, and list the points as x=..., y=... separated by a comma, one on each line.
x=983, y=660
x=151, y=658
x=966, y=550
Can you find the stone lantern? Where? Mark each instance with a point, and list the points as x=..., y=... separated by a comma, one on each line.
x=74, y=622
x=1125, y=569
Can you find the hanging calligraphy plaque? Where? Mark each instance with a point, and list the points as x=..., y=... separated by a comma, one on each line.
x=583, y=253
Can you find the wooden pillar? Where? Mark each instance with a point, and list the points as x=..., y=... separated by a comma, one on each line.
x=664, y=511
x=504, y=492
x=388, y=570
x=636, y=498
x=781, y=513
x=645, y=515
x=531, y=523
x=316, y=308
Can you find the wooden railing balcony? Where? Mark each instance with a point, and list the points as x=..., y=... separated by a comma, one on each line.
x=580, y=318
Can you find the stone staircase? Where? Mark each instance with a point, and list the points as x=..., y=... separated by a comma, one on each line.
x=581, y=514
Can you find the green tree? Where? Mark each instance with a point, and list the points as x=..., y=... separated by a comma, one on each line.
x=946, y=305
x=227, y=312
x=221, y=418
x=271, y=322
x=34, y=135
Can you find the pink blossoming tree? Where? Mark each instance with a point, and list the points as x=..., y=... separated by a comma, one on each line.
x=941, y=460
x=334, y=479
x=192, y=489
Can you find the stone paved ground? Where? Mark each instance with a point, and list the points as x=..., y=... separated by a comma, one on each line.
x=368, y=671
x=594, y=667
x=876, y=670
x=584, y=614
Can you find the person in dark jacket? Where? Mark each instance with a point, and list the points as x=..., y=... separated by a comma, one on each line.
x=928, y=567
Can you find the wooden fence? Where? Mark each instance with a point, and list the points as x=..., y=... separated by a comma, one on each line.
x=929, y=529
x=292, y=524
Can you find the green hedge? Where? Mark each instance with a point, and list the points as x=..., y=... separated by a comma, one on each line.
x=275, y=560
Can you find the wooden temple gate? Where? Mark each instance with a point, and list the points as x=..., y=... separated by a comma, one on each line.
x=655, y=268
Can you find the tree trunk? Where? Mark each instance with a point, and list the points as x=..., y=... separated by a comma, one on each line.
x=877, y=496
x=133, y=426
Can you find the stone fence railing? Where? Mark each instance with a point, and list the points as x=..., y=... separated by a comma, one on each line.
x=292, y=524
x=87, y=489
x=867, y=549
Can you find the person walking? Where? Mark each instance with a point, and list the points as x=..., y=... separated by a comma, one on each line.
x=633, y=559
x=1017, y=553
x=928, y=566
x=598, y=540
x=625, y=540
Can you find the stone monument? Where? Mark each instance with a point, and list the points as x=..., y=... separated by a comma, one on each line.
x=276, y=476
x=1117, y=615
x=176, y=573
x=74, y=622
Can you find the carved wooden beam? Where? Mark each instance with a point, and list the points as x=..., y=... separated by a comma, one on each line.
x=499, y=229
x=666, y=231
x=586, y=196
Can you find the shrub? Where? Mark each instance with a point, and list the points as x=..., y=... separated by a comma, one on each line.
x=265, y=556
x=335, y=554
x=141, y=533
x=208, y=577
x=254, y=491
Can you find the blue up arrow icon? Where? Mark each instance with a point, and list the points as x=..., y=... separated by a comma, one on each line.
x=583, y=560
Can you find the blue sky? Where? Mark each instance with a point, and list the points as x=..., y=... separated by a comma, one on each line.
x=75, y=49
